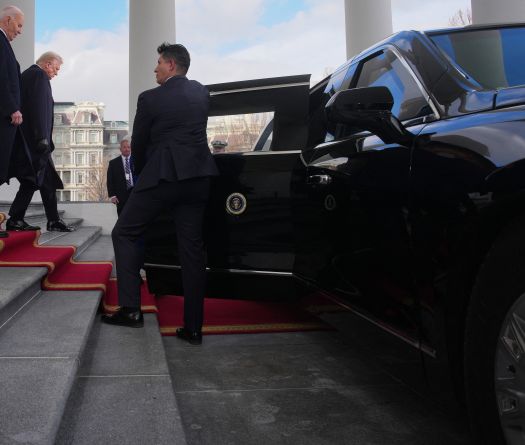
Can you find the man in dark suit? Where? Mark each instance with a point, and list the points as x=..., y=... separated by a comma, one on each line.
x=120, y=178
x=14, y=156
x=174, y=165
x=37, y=108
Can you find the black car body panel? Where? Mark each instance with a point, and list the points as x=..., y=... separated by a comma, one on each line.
x=397, y=230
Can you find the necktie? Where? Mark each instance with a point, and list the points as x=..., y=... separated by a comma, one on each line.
x=127, y=171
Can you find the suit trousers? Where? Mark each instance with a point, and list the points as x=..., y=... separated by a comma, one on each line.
x=186, y=201
x=25, y=194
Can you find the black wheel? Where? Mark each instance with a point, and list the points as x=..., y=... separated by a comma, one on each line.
x=495, y=343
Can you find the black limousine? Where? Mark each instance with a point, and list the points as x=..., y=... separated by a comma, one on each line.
x=397, y=184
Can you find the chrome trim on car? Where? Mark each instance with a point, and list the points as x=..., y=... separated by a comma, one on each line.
x=427, y=95
x=259, y=152
x=236, y=271
x=268, y=87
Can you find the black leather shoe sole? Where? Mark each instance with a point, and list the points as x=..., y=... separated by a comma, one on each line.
x=118, y=320
x=27, y=228
x=193, y=338
x=60, y=229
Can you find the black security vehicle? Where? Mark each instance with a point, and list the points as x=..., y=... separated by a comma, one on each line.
x=398, y=185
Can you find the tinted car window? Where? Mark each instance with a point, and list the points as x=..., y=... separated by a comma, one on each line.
x=335, y=82
x=387, y=70
x=238, y=132
x=339, y=81
x=493, y=57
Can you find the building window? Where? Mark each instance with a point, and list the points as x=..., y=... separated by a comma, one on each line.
x=79, y=137
x=81, y=196
x=93, y=137
x=66, y=195
x=80, y=178
x=67, y=158
x=58, y=137
x=58, y=119
x=93, y=159
x=57, y=158
x=93, y=177
x=79, y=159
x=113, y=138
x=66, y=177
x=86, y=118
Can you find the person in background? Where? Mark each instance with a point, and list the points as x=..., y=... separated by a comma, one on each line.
x=219, y=146
x=14, y=155
x=120, y=176
x=37, y=128
x=174, y=165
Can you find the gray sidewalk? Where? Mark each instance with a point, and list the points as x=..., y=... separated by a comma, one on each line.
x=300, y=388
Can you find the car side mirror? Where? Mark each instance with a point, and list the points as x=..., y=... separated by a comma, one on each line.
x=369, y=109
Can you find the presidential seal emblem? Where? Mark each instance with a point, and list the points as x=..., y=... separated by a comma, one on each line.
x=330, y=203
x=236, y=204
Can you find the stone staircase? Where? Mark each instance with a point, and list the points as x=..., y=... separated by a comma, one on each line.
x=64, y=377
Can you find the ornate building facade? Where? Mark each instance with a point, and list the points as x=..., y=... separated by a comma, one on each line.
x=84, y=143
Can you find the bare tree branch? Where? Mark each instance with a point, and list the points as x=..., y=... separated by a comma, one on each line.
x=462, y=17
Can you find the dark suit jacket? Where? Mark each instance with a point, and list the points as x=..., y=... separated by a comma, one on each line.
x=116, y=181
x=169, y=141
x=37, y=111
x=14, y=157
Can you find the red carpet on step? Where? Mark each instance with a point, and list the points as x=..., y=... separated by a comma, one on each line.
x=234, y=316
x=21, y=249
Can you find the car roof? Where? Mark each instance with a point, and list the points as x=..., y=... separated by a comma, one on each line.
x=472, y=28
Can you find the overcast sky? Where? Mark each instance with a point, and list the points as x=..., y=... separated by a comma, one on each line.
x=228, y=40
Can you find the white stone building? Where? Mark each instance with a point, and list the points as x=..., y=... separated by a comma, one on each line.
x=78, y=134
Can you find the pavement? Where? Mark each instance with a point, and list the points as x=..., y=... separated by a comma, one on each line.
x=304, y=388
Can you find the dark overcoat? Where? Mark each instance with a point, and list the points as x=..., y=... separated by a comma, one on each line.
x=37, y=111
x=14, y=156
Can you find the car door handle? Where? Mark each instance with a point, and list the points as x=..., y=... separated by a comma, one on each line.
x=319, y=180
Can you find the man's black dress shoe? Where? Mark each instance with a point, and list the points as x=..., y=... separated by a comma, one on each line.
x=125, y=317
x=58, y=226
x=192, y=337
x=19, y=225
x=4, y=234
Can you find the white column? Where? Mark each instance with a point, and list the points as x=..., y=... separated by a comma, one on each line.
x=367, y=22
x=24, y=44
x=501, y=11
x=150, y=24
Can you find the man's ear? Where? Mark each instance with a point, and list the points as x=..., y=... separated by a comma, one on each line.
x=173, y=65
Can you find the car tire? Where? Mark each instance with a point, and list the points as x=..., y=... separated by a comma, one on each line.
x=491, y=372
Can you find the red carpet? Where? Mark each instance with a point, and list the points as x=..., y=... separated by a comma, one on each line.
x=233, y=316
x=21, y=249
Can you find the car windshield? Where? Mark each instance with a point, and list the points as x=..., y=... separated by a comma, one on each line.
x=492, y=57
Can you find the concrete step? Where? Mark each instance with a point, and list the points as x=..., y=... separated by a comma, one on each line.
x=40, y=350
x=100, y=250
x=19, y=286
x=123, y=391
x=81, y=238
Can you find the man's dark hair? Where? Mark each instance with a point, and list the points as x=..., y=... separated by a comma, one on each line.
x=176, y=52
